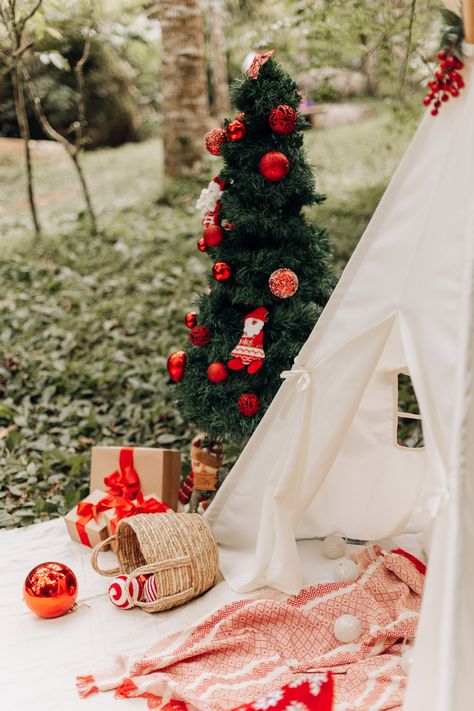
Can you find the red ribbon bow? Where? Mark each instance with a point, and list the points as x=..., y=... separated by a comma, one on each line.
x=125, y=480
x=142, y=505
x=87, y=511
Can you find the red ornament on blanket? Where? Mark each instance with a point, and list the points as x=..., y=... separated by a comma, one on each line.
x=249, y=351
x=118, y=595
x=248, y=404
x=50, y=590
x=200, y=335
x=274, y=166
x=282, y=119
x=213, y=236
x=447, y=82
x=283, y=283
x=190, y=319
x=236, y=130
x=217, y=372
x=221, y=271
x=214, y=140
x=176, y=365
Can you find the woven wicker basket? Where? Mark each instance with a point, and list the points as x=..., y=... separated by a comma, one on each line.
x=178, y=548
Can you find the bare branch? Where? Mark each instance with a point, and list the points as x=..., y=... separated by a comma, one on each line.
x=80, y=81
x=409, y=48
x=28, y=16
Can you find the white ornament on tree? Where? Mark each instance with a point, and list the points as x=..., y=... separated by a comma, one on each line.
x=347, y=628
x=208, y=198
x=334, y=546
x=346, y=570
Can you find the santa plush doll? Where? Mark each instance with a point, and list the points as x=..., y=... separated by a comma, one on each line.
x=249, y=350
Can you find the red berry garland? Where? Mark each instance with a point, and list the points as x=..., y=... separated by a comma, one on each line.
x=217, y=372
x=214, y=140
x=248, y=404
x=236, y=130
x=190, y=319
x=282, y=119
x=221, y=271
x=200, y=335
x=213, y=236
x=274, y=166
x=447, y=82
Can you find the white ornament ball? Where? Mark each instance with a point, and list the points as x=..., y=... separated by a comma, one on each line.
x=334, y=546
x=346, y=570
x=117, y=595
x=150, y=591
x=347, y=628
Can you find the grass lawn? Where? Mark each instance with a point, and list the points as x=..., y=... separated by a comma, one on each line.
x=87, y=322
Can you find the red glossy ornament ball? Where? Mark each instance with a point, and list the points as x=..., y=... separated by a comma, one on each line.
x=221, y=271
x=274, y=166
x=236, y=130
x=202, y=246
x=50, y=590
x=213, y=235
x=282, y=119
x=176, y=365
x=283, y=283
x=200, y=335
x=248, y=404
x=217, y=372
x=190, y=319
x=214, y=140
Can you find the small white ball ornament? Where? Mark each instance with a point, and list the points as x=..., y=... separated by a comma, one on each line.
x=334, y=546
x=117, y=594
x=346, y=570
x=347, y=628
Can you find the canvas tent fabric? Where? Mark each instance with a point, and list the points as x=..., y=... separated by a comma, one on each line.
x=325, y=457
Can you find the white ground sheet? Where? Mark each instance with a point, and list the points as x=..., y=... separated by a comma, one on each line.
x=39, y=659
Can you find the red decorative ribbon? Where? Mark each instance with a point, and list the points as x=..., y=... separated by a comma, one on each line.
x=131, y=508
x=87, y=511
x=125, y=480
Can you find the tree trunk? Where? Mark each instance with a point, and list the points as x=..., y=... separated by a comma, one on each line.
x=217, y=53
x=183, y=81
x=370, y=68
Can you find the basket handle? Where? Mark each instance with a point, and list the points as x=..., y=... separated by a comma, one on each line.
x=181, y=562
x=95, y=554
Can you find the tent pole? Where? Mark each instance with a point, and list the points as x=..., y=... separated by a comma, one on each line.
x=468, y=19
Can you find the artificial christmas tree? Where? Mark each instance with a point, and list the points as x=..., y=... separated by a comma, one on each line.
x=269, y=276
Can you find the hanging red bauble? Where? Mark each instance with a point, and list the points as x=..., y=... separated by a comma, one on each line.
x=217, y=372
x=447, y=82
x=213, y=235
x=221, y=271
x=190, y=319
x=248, y=404
x=50, y=590
x=282, y=119
x=274, y=166
x=202, y=246
x=283, y=283
x=200, y=335
x=214, y=140
x=176, y=365
x=236, y=130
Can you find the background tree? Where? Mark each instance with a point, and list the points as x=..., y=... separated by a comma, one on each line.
x=185, y=105
x=216, y=42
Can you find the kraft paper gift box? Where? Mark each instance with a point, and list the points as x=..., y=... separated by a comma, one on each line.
x=125, y=471
x=86, y=522
x=146, y=504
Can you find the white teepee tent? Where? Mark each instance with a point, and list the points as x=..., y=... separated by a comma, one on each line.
x=325, y=457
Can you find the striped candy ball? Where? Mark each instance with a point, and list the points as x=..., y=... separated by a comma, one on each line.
x=117, y=594
x=150, y=591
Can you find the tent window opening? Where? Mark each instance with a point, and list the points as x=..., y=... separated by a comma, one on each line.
x=408, y=421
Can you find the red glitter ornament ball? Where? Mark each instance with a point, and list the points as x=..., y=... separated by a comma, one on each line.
x=274, y=166
x=200, y=335
x=214, y=140
x=248, y=404
x=283, y=283
x=176, y=365
x=213, y=235
x=202, y=246
x=50, y=589
x=282, y=119
x=236, y=130
x=217, y=372
x=221, y=271
x=190, y=319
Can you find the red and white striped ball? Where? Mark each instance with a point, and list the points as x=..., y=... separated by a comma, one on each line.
x=117, y=594
x=150, y=591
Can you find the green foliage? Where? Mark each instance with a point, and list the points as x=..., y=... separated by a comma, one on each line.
x=452, y=33
x=269, y=232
